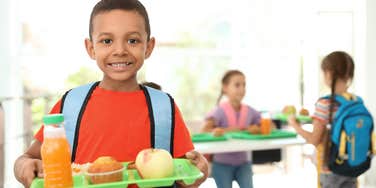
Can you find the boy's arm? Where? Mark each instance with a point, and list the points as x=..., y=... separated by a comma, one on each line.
x=201, y=163
x=29, y=165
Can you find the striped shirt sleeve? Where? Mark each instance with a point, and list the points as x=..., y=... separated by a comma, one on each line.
x=322, y=110
x=322, y=107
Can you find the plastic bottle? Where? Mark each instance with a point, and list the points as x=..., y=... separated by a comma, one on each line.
x=266, y=123
x=55, y=151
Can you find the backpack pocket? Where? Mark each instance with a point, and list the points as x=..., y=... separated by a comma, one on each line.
x=358, y=138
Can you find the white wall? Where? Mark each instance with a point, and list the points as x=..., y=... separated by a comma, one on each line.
x=371, y=55
x=370, y=75
x=10, y=86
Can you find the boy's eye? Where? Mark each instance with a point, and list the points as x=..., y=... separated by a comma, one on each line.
x=107, y=41
x=132, y=41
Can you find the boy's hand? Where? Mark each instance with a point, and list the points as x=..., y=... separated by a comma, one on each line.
x=27, y=169
x=201, y=163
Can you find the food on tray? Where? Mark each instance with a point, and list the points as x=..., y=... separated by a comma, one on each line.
x=304, y=112
x=154, y=163
x=218, y=131
x=78, y=169
x=105, y=169
x=254, y=129
x=289, y=110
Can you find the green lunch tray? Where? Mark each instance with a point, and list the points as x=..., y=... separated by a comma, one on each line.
x=283, y=117
x=183, y=170
x=207, y=137
x=273, y=135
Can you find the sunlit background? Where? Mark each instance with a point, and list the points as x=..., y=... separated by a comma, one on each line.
x=277, y=44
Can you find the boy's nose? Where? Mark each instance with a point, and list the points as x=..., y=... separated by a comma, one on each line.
x=121, y=49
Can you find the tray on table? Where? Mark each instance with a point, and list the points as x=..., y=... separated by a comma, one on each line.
x=273, y=135
x=208, y=137
x=183, y=171
x=283, y=117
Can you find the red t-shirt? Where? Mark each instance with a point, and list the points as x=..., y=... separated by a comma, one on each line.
x=117, y=124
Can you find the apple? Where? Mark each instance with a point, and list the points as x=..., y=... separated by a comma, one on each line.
x=289, y=110
x=154, y=163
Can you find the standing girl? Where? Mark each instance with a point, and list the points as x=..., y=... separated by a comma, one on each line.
x=232, y=115
x=338, y=70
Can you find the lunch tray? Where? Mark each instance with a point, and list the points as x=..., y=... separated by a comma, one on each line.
x=183, y=170
x=283, y=117
x=273, y=135
x=208, y=137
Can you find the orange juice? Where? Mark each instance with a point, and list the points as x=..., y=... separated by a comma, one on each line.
x=266, y=126
x=56, y=157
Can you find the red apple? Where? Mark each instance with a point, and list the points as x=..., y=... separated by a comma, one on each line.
x=154, y=163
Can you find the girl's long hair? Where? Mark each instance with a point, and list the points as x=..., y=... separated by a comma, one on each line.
x=340, y=65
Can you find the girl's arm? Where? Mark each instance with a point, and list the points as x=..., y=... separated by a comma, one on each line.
x=254, y=129
x=315, y=137
x=216, y=130
x=208, y=126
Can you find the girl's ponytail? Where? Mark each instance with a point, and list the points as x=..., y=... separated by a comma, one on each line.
x=332, y=98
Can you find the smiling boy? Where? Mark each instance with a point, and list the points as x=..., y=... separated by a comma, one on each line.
x=116, y=119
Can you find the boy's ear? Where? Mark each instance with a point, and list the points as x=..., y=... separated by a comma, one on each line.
x=90, y=48
x=149, y=47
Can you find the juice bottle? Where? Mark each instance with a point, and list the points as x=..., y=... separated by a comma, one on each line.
x=266, y=124
x=56, y=157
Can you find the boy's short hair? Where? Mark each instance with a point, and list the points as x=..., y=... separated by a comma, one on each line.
x=128, y=5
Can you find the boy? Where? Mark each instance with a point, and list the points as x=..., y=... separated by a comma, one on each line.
x=115, y=121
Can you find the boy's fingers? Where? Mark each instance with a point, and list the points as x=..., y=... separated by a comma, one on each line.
x=39, y=168
x=36, y=171
x=28, y=182
x=28, y=178
x=192, y=156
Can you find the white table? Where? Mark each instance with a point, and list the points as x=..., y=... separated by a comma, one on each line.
x=233, y=145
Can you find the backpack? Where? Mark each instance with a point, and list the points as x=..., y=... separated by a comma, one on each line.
x=161, y=114
x=351, y=138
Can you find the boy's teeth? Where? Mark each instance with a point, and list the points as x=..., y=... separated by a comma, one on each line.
x=120, y=64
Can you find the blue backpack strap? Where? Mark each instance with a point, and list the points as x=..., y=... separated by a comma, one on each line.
x=345, y=103
x=161, y=114
x=162, y=118
x=73, y=105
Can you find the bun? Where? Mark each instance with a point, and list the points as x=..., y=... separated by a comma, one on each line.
x=105, y=169
x=304, y=112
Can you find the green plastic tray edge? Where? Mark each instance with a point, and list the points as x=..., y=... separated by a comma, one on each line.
x=188, y=179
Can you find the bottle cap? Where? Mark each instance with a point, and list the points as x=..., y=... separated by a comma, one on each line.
x=53, y=119
x=265, y=115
